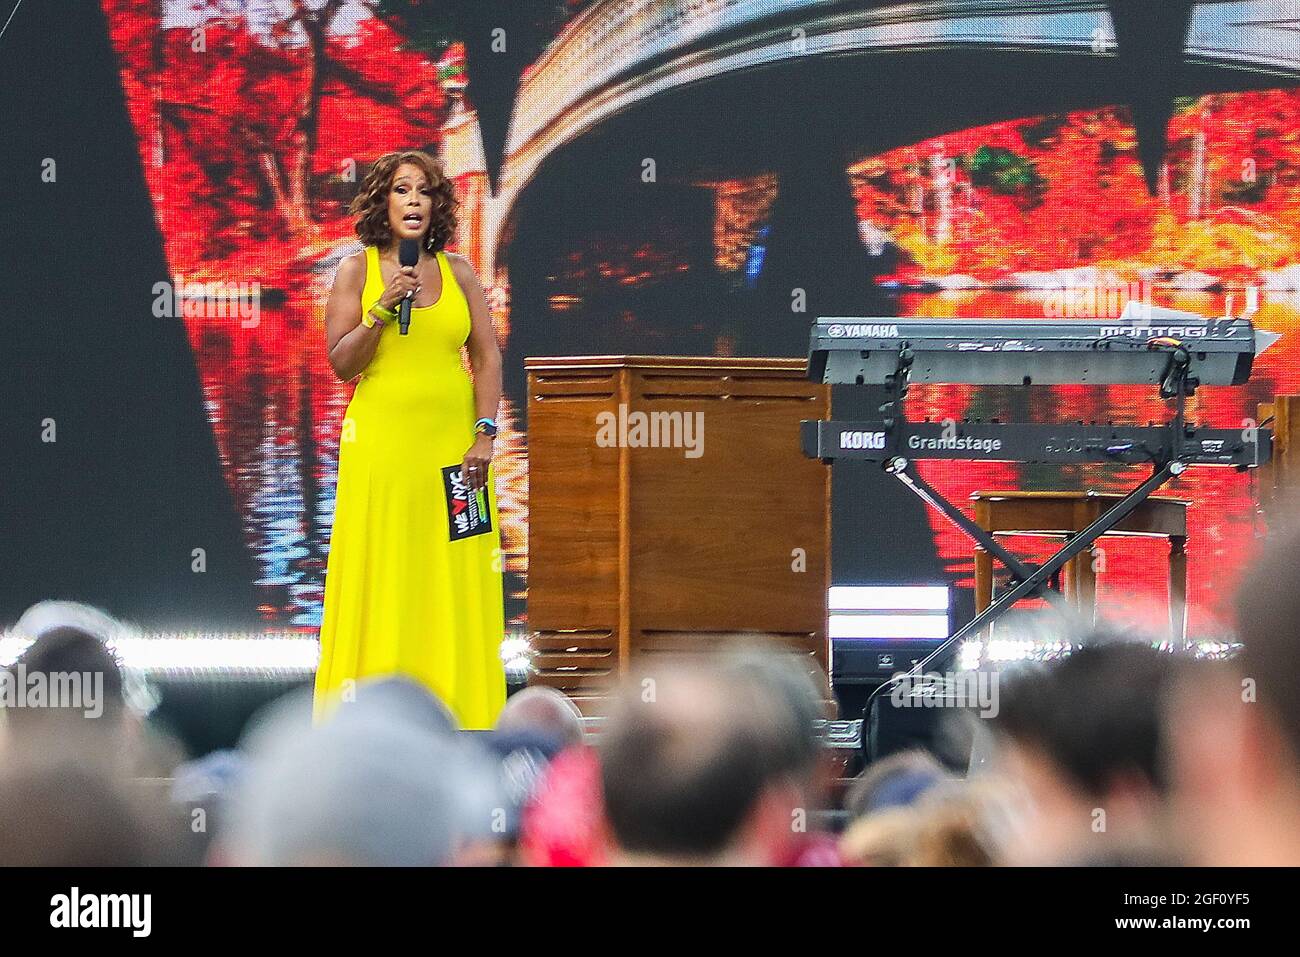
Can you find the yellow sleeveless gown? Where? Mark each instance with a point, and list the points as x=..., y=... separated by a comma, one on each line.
x=401, y=598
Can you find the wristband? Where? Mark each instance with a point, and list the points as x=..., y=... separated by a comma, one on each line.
x=486, y=427
x=384, y=315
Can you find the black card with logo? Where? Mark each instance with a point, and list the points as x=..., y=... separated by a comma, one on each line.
x=468, y=512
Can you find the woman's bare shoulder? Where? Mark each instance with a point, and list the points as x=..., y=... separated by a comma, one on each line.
x=352, y=270
x=353, y=263
x=462, y=268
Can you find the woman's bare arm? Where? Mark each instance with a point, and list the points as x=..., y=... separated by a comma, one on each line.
x=484, y=353
x=350, y=344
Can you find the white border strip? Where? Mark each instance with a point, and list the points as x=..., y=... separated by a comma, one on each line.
x=200, y=652
x=888, y=598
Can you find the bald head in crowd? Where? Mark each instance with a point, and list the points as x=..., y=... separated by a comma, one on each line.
x=700, y=765
x=542, y=710
x=378, y=783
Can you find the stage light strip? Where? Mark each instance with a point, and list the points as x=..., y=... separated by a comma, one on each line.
x=888, y=598
x=1023, y=649
x=201, y=652
x=888, y=612
x=928, y=627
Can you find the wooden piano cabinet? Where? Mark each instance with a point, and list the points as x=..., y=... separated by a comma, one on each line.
x=638, y=550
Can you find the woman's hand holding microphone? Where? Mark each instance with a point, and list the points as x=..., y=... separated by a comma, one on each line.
x=405, y=283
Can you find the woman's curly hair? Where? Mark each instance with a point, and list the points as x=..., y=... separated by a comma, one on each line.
x=370, y=205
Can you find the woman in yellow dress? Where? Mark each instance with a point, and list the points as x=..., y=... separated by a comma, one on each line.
x=413, y=583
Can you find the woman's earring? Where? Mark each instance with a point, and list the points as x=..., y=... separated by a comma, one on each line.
x=428, y=241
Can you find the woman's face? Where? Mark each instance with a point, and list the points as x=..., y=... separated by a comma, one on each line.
x=410, y=202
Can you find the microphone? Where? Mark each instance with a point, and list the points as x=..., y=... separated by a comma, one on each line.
x=408, y=254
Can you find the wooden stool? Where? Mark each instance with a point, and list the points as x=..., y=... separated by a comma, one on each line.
x=1279, y=477
x=1065, y=514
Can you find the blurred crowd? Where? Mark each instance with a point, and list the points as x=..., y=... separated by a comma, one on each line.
x=1119, y=753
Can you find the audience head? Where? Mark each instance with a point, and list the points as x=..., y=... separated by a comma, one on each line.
x=896, y=781
x=953, y=825
x=1106, y=755
x=536, y=725
x=63, y=700
x=374, y=785
x=66, y=815
x=403, y=699
x=1085, y=738
x=788, y=680
x=48, y=615
x=698, y=762
x=1236, y=742
x=542, y=711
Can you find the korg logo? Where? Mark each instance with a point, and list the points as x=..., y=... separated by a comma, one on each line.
x=862, y=440
x=863, y=330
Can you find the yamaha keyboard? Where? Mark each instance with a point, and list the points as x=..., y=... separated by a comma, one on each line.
x=1172, y=351
x=1133, y=350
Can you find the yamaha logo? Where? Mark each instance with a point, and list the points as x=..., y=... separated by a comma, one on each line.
x=862, y=330
x=862, y=440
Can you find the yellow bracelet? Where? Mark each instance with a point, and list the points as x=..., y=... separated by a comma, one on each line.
x=368, y=319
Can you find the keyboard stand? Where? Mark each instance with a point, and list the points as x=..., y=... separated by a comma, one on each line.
x=1027, y=582
x=1176, y=384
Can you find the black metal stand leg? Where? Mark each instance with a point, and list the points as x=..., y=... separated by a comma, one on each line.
x=1035, y=579
x=1081, y=542
x=927, y=493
